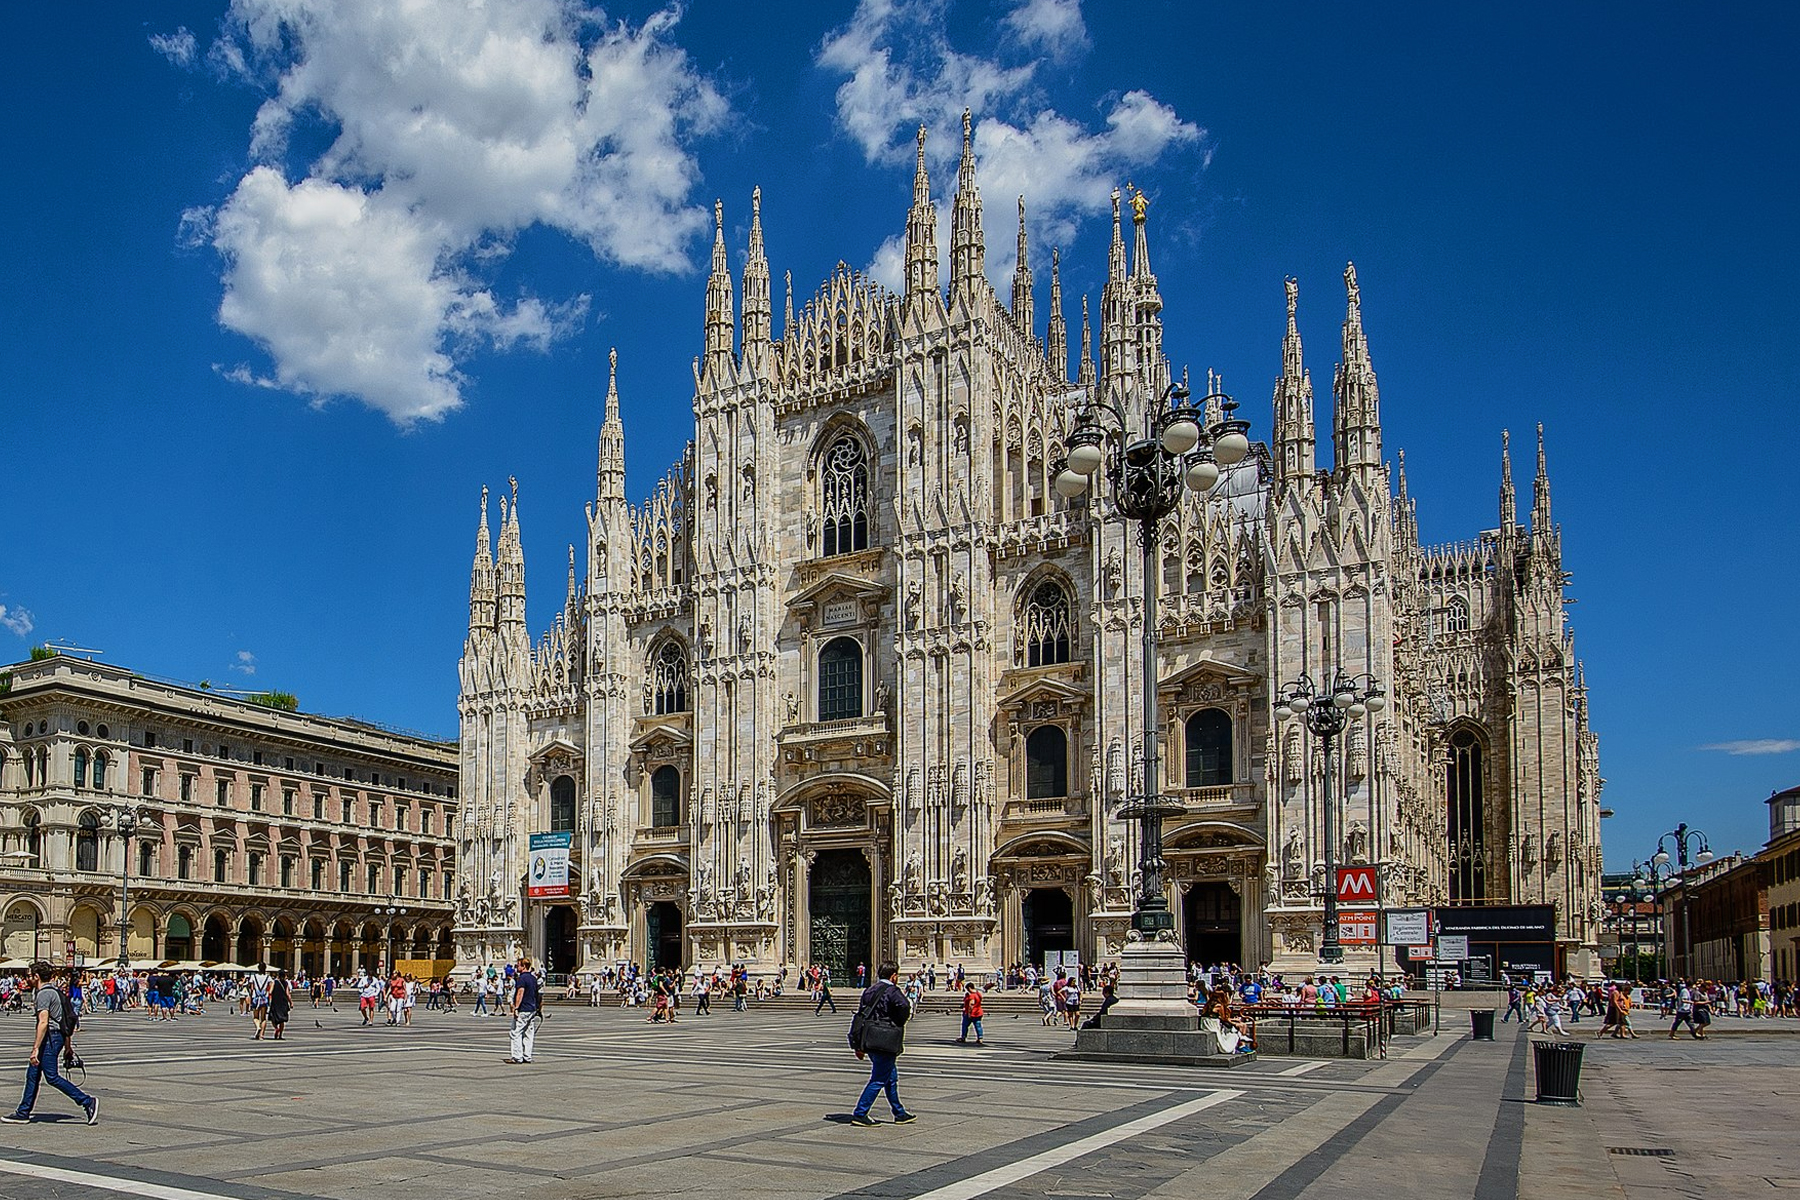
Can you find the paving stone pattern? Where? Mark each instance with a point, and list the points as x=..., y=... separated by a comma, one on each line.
x=754, y=1104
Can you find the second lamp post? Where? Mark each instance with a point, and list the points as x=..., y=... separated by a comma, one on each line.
x=1327, y=709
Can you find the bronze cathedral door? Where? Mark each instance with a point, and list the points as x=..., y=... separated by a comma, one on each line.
x=842, y=922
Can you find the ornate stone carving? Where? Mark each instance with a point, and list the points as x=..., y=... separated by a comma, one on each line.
x=836, y=810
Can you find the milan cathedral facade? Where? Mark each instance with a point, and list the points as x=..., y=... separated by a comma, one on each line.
x=855, y=682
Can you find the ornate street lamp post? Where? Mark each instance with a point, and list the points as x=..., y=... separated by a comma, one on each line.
x=390, y=911
x=1326, y=710
x=1146, y=475
x=1691, y=848
x=125, y=820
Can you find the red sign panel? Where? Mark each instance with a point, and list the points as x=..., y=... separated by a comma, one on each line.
x=1356, y=885
x=1358, y=927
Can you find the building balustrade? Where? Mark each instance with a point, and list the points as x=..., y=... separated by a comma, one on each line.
x=1048, y=808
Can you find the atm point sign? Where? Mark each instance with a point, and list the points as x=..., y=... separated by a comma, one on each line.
x=1356, y=885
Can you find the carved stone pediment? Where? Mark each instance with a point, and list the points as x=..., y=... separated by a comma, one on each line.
x=837, y=810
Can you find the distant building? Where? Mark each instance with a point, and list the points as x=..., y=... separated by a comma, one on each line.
x=1717, y=915
x=263, y=835
x=1782, y=861
x=854, y=681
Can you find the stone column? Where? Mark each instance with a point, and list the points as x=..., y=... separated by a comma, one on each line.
x=803, y=861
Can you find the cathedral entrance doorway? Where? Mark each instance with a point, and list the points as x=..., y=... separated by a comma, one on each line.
x=662, y=920
x=1213, y=918
x=842, y=929
x=1049, y=923
x=559, y=939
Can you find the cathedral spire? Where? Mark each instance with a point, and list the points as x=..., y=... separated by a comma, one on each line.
x=1115, y=337
x=1540, y=490
x=921, y=231
x=1294, y=432
x=571, y=600
x=1509, y=505
x=1086, y=376
x=720, y=322
x=1057, y=347
x=481, y=576
x=1140, y=249
x=758, y=313
x=968, y=248
x=1021, y=296
x=1356, y=411
x=787, y=315
x=612, y=436
x=511, y=565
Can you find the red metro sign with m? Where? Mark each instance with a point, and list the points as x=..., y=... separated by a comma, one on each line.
x=1356, y=885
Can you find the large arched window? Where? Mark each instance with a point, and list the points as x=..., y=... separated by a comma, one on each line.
x=1456, y=615
x=1208, y=736
x=840, y=680
x=669, y=680
x=87, y=842
x=844, y=496
x=665, y=797
x=1049, y=625
x=562, y=804
x=99, y=769
x=81, y=762
x=1046, y=763
x=1467, y=817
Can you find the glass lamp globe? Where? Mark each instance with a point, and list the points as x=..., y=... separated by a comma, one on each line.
x=1202, y=475
x=1284, y=711
x=1180, y=436
x=1343, y=699
x=1358, y=709
x=1299, y=704
x=1231, y=447
x=1069, y=484
x=1705, y=856
x=1661, y=859
x=1377, y=701
x=1085, y=458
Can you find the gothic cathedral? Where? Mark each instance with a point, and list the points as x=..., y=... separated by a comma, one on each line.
x=855, y=682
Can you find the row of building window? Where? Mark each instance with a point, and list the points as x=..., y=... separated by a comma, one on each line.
x=224, y=751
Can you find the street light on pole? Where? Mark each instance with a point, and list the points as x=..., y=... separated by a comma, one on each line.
x=390, y=911
x=1691, y=849
x=1147, y=475
x=126, y=821
x=1327, y=709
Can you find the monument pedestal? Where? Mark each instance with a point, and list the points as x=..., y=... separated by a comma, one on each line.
x=1153, y=1022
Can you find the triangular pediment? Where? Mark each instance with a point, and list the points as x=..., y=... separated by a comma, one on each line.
x=556, y=748
x=837, y=583
x=664, y=733
x=1209, y=668
x=1058, y=690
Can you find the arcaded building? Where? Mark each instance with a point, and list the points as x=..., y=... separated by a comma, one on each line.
x=260, y=834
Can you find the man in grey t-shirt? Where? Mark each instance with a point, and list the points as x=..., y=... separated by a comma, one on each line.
x=47, y=1047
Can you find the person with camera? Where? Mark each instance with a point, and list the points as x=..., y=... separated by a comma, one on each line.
x=55, y=1020
x=877, y=1031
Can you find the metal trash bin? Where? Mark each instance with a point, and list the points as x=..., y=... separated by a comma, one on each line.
x=1482, y=1019
x=1558, y=1072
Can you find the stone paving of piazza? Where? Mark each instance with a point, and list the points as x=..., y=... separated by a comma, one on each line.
x=753, y=1104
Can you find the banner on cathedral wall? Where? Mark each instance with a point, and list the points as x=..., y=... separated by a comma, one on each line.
x=547, y=877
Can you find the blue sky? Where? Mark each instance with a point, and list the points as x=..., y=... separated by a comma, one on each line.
x=277, y=309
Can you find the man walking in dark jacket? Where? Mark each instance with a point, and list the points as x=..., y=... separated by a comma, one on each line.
x=877, y=1031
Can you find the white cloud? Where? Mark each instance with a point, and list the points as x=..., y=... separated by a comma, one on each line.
x=1757, y=746
x=902, y=71
x=179, y=47
x=1053, y=26
x=245, y=664
x=455, y=126
x=16, y=619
